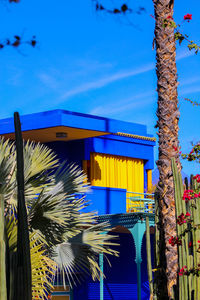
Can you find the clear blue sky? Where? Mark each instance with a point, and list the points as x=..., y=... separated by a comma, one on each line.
x=94, y=63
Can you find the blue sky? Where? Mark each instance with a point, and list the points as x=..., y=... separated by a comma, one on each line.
x=95, y=63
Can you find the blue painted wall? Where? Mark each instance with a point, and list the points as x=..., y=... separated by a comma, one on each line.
x=121, y=279
x=72, y=151
x=123, y=147
x=107, y=200
x=104, y=200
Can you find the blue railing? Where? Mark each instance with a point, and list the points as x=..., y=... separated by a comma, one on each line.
x=140, y=202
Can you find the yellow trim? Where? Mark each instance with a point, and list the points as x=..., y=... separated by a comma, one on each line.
x=135, y=136
x=49, y=134
x=149, y=181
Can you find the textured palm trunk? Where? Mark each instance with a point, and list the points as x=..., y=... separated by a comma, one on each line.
x=168, y=116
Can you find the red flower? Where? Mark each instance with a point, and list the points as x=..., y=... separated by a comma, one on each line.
x=188, y=17
x=175, y=241
x=197, y=177
x=188, y=195
x=188, y=214
x=181, y=272
x=169, y=18
x=190, y=244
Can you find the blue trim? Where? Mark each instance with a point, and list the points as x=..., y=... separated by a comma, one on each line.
x=122, y=147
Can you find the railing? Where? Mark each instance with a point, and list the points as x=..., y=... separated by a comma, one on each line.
x=140, y=202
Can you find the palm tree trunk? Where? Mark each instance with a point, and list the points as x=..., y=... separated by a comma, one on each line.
x=168, y=116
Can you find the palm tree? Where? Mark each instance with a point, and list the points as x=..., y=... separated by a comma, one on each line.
x=62, y=237
x=168, y=116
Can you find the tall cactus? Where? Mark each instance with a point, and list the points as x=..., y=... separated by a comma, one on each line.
x=188, y=235
x=149, y=265
x=22, y=282
x=3, y=290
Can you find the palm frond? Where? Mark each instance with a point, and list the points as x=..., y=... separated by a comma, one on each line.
x=38, y=159
x=71, y=179
x=7, y=163
x=80, y=253
x=43, y=269
x=55, y=198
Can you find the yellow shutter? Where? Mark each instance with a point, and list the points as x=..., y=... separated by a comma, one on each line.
x=117, y=172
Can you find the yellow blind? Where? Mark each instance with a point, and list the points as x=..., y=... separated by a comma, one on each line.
x=117, y=172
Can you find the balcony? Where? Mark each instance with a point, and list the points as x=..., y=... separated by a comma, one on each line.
x=117, y=201
x=140, y=202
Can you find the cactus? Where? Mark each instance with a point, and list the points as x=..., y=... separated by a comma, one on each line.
x=22, y=281
x=3, y=290
x=189, y=285
x=149, y=265
x=183, y=251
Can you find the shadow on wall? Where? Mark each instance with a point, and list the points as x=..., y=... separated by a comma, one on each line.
x=97, y=174
x=121, y=279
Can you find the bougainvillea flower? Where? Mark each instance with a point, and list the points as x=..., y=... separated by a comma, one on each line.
x=175, y=241
x=197, y=177
x=181, y=272
x=188, y=17
x=169, y=18
x=183, y=218
x=189, y=194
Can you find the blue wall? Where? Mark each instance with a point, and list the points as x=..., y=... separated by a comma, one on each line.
x=104, y=200
x=121, y=146
x=107, y=200
x=121, y=278
x=72, y=151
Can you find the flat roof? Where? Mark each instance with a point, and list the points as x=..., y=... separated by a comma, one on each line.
x=47, y=126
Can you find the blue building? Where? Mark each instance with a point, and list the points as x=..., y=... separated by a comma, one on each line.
x=118, y=160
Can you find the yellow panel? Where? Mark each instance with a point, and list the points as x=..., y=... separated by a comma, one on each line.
x=149, y=181
x=117, y=172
